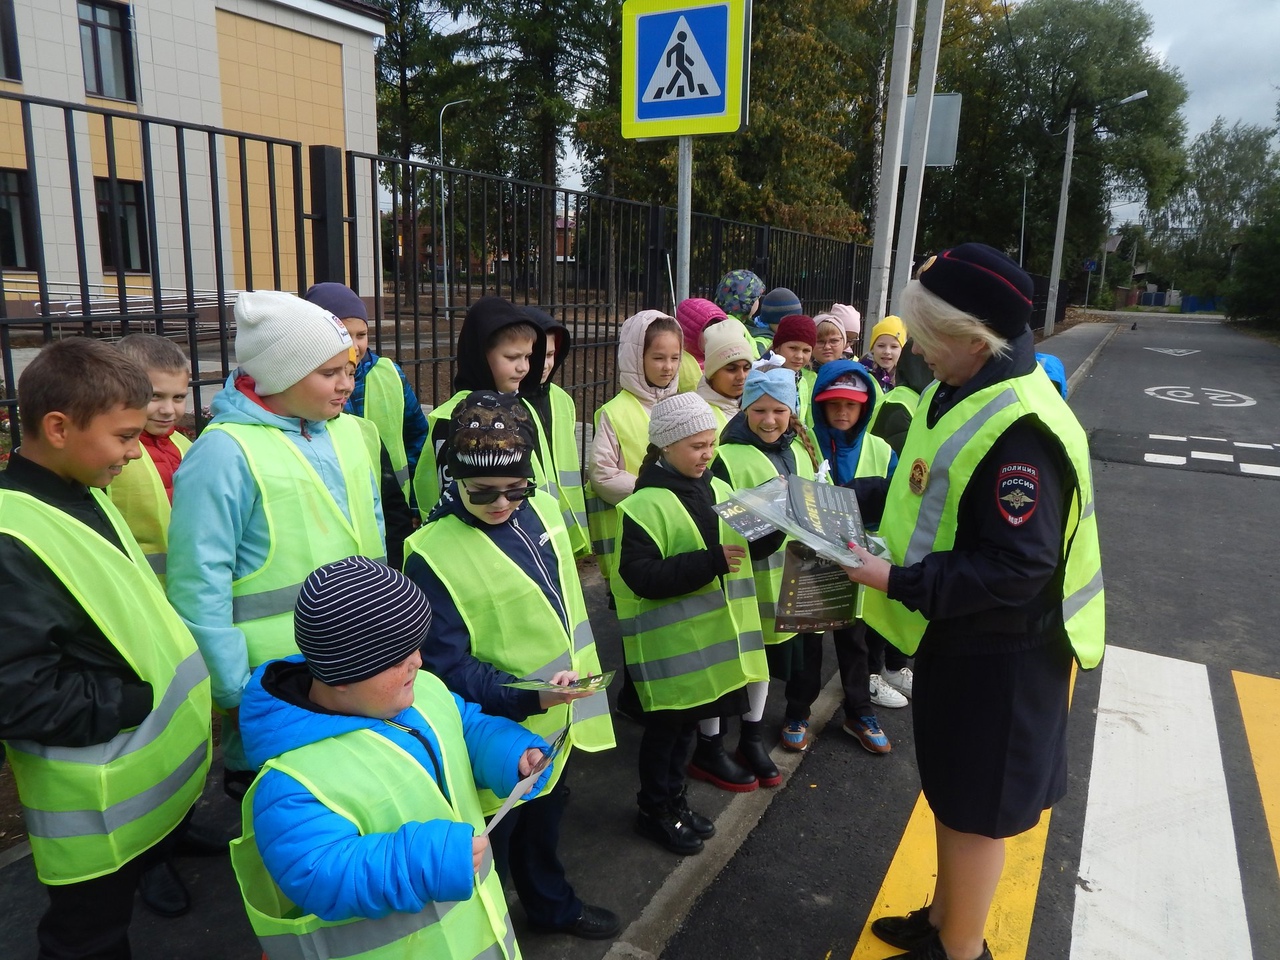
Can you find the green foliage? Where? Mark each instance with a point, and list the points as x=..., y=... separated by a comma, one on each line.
x=1251, y=288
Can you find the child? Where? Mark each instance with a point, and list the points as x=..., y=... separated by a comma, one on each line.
x=495, y=562
x=366, y=809
x=104, y=700
x=694, y=316
x=686, y=599
x=281, y=482
x=830, y=340
x=724, y=371
x=500, y=349
x=851, y=320
x=775, y=306
x=738, y=295
x=896, y=408
x=843, y=403
x=648, y=363
x=764, y=441
x=558, y=418
x=793, y=344
x=887, y=338
x=381, y=392
x=143, y=493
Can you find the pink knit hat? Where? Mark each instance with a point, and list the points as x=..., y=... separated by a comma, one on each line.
x=694, y=314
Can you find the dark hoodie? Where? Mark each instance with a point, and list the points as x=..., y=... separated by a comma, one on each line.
x=842, y=448
x=539, y=397
x=894, y=420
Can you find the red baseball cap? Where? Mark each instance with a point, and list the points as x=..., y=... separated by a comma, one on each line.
x=845, y=387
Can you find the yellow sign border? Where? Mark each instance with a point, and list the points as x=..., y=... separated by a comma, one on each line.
x=734, y=117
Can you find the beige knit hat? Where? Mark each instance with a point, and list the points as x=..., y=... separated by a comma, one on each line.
x=724, y=342
x=678, y=417
x=281, y=338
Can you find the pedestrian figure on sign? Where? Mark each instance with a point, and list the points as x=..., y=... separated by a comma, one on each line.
x=683, y=64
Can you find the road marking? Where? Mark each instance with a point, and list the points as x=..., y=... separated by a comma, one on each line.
x=1165, y=458
x=1203, y=455
x=1210, y=439
x=1170, y=351
x=1157, y=805
x=1253, y=446
x=1214, y=322
x=1260, y=469
x=1165, y=436
x=1260, y=709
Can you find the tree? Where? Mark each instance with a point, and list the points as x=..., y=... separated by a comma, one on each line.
x=1251, y=287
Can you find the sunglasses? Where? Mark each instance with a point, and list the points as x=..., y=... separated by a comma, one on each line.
x=482, y=498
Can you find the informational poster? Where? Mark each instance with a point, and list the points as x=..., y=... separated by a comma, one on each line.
x=816, y=594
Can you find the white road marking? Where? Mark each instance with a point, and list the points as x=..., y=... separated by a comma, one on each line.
x=1159, y=874
x=1163, y=436
x=1214, y=322
x=1253, y=446
x=1211, y=439
x=1260, y=469
x=1166, y=458
x=1202, y=455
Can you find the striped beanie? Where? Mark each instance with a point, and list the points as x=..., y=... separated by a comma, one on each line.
x=356, y=617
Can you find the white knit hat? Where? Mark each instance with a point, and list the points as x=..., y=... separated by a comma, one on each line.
x=281, y=338
x=723, y=343
x=678, y=417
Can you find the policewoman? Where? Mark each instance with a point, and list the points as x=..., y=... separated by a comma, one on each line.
x=995, y=583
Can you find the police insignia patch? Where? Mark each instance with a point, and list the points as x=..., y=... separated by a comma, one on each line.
x=1017, y=492
x=918, y=478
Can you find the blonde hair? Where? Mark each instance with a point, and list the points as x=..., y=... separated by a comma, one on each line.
x=830, y=319
x=930, y=319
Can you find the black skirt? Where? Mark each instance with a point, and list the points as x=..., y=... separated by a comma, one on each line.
x=991, y=735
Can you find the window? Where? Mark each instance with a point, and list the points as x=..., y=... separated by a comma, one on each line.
x=131, y=215
x=9, y=68
x=106, y=49
x=15, y=220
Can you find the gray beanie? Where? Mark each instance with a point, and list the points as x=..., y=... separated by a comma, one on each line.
x=281, y=338
x=356, y=617
x=678, y=417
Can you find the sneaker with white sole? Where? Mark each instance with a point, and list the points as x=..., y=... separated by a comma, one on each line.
x=900, y=680
x=883, y=695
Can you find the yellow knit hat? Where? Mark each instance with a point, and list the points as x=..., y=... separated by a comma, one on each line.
x=891, y=325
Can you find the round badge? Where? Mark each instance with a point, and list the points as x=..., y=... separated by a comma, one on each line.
x=918, y=478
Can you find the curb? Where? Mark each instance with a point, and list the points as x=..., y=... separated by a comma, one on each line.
x=1084, y=368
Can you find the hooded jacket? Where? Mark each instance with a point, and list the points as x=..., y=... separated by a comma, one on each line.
x=613, y=480
x=318, y=857
x=539, y=396
x=218, y=532
x=842, y=448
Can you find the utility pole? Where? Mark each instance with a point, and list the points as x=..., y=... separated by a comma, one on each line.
x=1060, y=235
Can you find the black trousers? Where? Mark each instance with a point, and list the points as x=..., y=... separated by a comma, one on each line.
x=664, y=753
x=855, y=676
x=883, y=655
x=526, y=850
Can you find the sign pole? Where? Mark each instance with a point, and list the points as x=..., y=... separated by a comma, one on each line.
x=684, y=217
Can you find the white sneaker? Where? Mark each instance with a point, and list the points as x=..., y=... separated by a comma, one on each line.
x=900, y=680
x=883, y=695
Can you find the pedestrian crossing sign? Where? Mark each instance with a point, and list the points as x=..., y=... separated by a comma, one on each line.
x=685, y=67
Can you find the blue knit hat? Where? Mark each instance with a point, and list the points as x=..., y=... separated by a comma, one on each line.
x=777, y=382
x=338, y=299
x=777, y=304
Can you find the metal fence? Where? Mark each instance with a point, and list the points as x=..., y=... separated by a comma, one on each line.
x=122, y=222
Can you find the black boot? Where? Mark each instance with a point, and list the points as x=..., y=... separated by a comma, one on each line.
x=755, y=755
x=667, y=828
x=163, y=892
x=712, y=764
x=700, y=825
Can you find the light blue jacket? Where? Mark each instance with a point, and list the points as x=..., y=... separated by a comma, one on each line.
x=318, y=857
x=218, y=531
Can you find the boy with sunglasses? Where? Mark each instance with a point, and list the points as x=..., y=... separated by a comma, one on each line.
x=496, y=563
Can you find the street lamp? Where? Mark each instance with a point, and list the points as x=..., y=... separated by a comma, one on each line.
x=444, y=226
x=1055, y=272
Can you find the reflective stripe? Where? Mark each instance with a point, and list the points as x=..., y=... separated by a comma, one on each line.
x=1088, y=509
x=158, y=562
x=569, y=518
x=61, y=824
x=752, y=640
x=583, y=636
x=597, y=505
x=602, y=547
x=771, y=562
x=669, y=614
x=767, y=609
x=402, y=476
x=593, y=706
x=550, y=669
x=366, y=935
x=190, y=673
x=934, y=499
x=1080, y=598
x=553, y=491
x=270, y=603
x=681, y=664
x=580, y=518
x=569, y=478
x=739, y=588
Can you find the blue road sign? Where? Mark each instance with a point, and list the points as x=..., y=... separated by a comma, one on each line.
x=1091, y=265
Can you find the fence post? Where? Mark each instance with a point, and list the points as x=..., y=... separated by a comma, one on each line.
x=327, y=214
x=763, y=260
x=655, y=262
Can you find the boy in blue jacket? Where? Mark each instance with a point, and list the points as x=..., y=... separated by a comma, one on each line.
x=366, y=809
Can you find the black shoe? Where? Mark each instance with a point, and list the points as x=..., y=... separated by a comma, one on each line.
x=236, y=783
x=712, y=764
x=905, y=932
x=201, y=842
x=754, y=755
x=699, y=824
x=669, y=829
x=932, y=949
x=162, y=891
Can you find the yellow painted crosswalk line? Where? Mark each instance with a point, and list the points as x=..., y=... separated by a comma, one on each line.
x=1260, y=708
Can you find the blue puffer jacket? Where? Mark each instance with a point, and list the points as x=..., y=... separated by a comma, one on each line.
x=842, y=448
x=318, y=857
x=218, y=532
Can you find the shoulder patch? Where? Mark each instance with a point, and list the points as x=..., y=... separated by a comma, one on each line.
x=1017, y=492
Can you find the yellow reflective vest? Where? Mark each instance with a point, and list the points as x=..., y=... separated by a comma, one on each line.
x=384, y=407
x=89, y=810
x=374, y=783
x=514, y=627
x=938, y=462
x=138, y=493
x=565, y=465
x=692, y=649
x=630, y=421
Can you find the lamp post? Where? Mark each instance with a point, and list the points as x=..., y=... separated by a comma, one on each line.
x=1055, y=272
x=444, y=226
